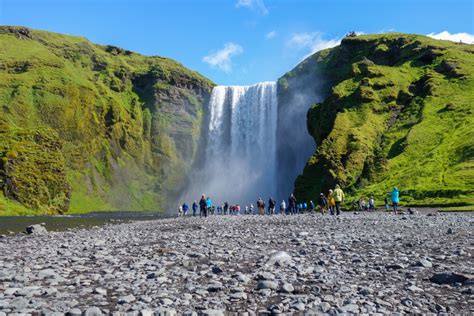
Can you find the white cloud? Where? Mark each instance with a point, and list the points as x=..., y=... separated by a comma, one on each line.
x=222, y=59
x=464, y=37
x=313, y=42
x=257, y=5
x=271, y=34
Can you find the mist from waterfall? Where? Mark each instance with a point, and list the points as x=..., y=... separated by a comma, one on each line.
x=240, y=155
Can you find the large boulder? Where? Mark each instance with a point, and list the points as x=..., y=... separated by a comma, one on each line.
x=36, y=229
x=449, y=278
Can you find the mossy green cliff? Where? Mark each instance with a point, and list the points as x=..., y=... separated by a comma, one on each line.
x=398, y=111
x=87, y=127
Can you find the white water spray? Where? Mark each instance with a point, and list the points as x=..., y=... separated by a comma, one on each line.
x=240, y=158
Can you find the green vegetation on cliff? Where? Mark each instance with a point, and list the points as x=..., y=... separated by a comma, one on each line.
x=87, y=127
x=399, y=112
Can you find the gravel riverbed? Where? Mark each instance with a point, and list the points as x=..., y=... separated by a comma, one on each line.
x=232, y=265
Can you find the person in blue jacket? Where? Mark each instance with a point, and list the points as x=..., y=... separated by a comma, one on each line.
x=209, y=204
x=395, y=197
x=185, y=209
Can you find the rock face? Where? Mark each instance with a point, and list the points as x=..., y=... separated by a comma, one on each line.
x=386, y=102
x=91, y=126
x=218, y=266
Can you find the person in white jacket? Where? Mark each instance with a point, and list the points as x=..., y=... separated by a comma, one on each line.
x=283, y=207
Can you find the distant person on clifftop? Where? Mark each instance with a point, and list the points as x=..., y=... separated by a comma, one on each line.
x=271, y=206
x=261, y=206
x=185, y=209
x=395, y=197
x=339, y=198
x=292, y=204
x=283, y=207
x=195, y=207
x=203, y=206
x=331, y=202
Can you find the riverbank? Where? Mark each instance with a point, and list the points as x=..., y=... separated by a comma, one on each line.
x=369, y=262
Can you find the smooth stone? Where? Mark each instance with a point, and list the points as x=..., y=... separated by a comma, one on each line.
x=287, y=288
x=126, y=299
x=93, y=311
x=279, y=258
x=74, y=312
x=265, y=284
x=424, y=263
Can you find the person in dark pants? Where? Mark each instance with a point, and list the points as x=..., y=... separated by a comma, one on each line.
x=203, y=206
x=339, y=198
x=195, y=207
x=226, y=208
x=292, y=204
x=271, y=206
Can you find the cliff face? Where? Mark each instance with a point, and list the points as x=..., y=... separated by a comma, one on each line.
x=88, y=127
x=397, y=111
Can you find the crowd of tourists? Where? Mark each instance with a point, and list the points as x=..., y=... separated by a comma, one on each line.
x=330, y=203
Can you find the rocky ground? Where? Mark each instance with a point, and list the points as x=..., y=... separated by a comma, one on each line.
x=358, y=263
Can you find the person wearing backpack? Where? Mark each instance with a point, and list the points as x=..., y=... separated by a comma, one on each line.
x=322, y=203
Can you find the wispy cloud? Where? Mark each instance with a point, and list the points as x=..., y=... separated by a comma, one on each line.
x=455, y=37
x=222, y=58
x=312, y=42
x=271, y=34
x=256, y=5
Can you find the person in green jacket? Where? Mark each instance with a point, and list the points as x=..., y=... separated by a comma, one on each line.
x=338, y=198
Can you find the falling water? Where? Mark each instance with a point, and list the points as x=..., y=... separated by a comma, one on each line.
x=240, y=157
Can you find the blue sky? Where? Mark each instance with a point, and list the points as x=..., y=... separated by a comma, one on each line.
x=237, y=41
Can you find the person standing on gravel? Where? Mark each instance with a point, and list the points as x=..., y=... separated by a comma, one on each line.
x=387, y=206
x=195, y=207
x=185, y=208
x=271, y=206
x=338, y=198
x=395, y=197
x=292, y=204
x=261, y=206
x=209, y=205
x=283, y=207
x=203, y=206
x=331, y=202
x=322, y=203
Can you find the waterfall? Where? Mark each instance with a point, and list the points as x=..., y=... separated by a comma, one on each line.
x=240, y=156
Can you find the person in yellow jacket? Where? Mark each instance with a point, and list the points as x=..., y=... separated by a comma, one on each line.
x=338, y=198
x=331, y=202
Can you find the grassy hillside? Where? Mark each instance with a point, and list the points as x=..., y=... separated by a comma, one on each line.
x=398, y=112
x=88, y=127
